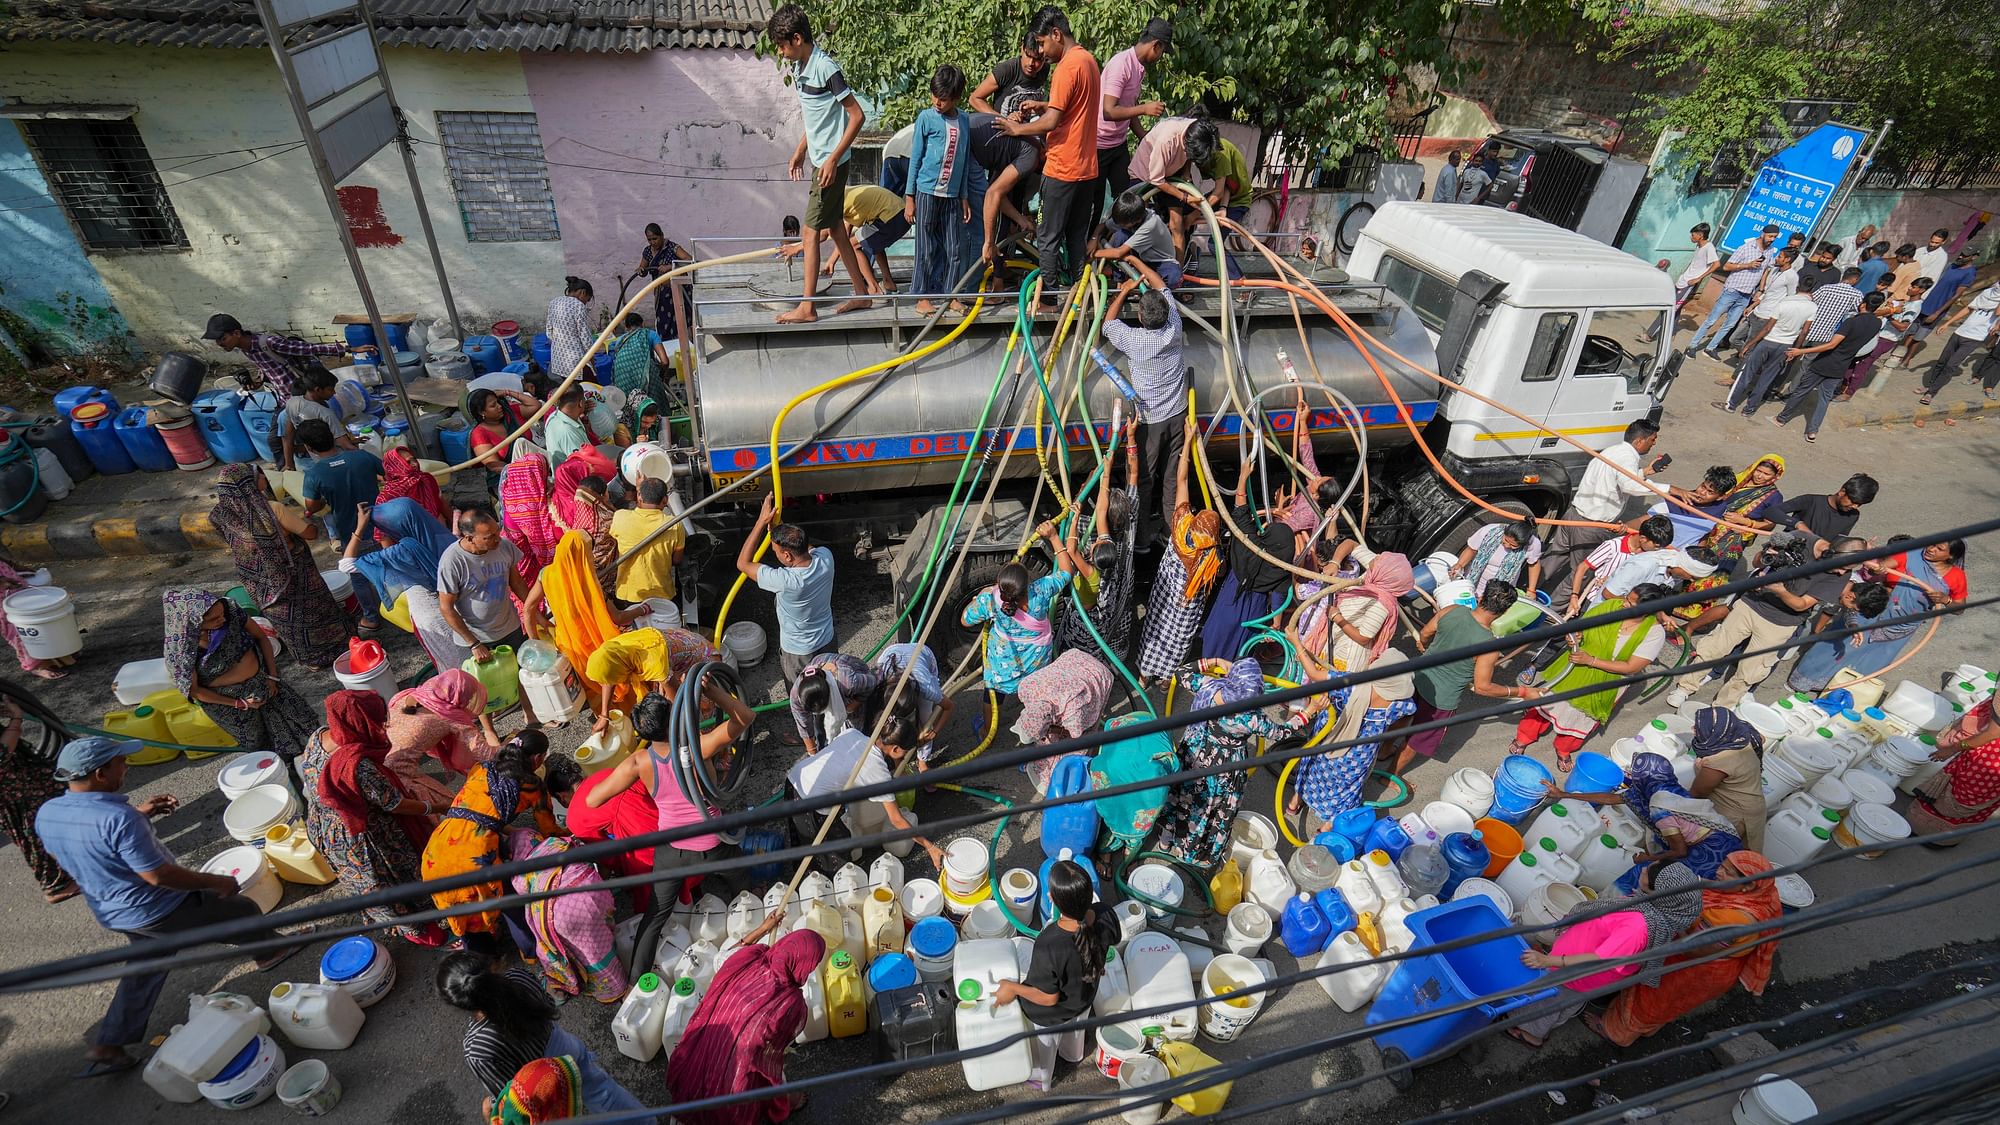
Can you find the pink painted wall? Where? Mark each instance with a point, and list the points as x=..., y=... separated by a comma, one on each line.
x=696, y=141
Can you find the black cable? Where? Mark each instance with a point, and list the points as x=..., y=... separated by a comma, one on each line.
x=14, y=980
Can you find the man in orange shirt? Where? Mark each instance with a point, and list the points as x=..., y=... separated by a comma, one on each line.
x=1069, y=119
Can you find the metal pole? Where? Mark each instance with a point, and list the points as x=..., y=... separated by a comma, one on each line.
x=325, y=176
x=1854, y=179
x=410, y=169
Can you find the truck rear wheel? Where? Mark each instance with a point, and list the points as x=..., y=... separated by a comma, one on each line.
x=951, y=640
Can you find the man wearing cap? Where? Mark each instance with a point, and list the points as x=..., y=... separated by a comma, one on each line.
x=1740, y=275
x=132, y=883
x=1123, y=109
x=267, y=351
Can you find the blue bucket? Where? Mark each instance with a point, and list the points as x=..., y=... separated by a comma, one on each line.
x=1594, y=773
x=891, y=970
x=1519, y=786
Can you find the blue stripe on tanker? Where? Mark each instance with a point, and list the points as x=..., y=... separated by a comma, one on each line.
x=736, y=460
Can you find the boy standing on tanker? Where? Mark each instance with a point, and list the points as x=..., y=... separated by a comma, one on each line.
x=832, y=119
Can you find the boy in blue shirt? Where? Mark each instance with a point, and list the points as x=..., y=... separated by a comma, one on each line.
x=832, y=119
x=938, y=201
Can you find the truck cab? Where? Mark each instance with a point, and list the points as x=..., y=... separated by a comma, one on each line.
x=1548, y=333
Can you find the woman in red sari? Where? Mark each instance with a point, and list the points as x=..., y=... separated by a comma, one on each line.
x=1967, y=790
x=1644, y=1009
x=402, y=478
x=748, y=1017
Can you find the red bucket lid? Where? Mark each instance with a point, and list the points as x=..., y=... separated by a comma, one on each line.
x=90, y=413
x=506, y=328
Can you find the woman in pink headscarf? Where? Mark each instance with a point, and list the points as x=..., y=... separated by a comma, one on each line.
x=443, y=718
x=524, y=510
x=1347, y=630
x=580, y=500
x=748, y=1017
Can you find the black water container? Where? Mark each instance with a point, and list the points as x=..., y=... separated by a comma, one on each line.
x=54, y=436
x=916, y=1022
x=178, y=377
x=21, y=497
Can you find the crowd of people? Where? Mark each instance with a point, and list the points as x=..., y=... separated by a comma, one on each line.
x=1142, y=587
x=1050, y=125
x=1812, y=326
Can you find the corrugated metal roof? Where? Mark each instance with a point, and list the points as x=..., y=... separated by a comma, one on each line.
x=606, y=26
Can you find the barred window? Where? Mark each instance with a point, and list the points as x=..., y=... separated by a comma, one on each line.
x=107, y=185
x=500, y=176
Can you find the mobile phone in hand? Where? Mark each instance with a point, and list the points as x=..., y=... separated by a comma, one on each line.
x=1661, y=462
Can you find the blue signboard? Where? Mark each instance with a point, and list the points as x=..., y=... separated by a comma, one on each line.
x=1794, y=186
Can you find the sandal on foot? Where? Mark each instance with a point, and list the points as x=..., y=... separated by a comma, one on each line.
x=1565, y=762
x=61, y=894
x=100, y=1068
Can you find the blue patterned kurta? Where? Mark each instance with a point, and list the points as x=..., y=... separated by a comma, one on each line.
x=1331, y=782
x=1013, y=650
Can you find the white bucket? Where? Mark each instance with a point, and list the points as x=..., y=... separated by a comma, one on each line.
x=1832, y=793
x=1867, y=788
x=1249, y=927
x=965, y=866
x=1251, y=835
x=662, y=614
x=1021, y=889
x=1470, y=790
x=985, y=921
x=1781, y=779
x=1548, y=904
x=339, y=585
x=1491, y=890
x=309, y=1089
x=249, y=817
x=745, y=642
x=380, y=679
x=245, y=772
x=45, y=619
x=1158, y=883
x=1139, y=1073
x=1445, y=818
x=1118, y=1044
x=252, y=872
x=1224, y=1020
x=1768, y=722
x=921, y=899
x=1794, y=893
x=251, y=1085
x=457, y=366
x=1773, y=1101
x=1870, y=824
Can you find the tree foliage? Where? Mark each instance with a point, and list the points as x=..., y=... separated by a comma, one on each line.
x=1323, y=72
x=1725, y=69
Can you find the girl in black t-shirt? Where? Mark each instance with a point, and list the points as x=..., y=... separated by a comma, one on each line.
x=1063, y=972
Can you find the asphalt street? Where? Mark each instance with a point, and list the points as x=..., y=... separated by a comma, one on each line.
x=406, y=1065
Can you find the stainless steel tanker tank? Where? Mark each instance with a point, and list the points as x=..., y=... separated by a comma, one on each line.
x=919, y=419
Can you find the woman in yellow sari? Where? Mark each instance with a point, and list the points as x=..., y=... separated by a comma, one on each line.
x=579, y=618
x=470, y=836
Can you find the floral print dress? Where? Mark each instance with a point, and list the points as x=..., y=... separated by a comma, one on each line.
x=1195, y=823
x=383, y=856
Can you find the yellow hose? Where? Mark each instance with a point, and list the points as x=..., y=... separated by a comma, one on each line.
x=777, y=468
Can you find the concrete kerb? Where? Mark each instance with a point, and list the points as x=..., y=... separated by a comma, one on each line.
x=1937, y=413
x=167, y=533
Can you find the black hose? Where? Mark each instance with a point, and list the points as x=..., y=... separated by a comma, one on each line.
x=55, y=732
x=694, y=773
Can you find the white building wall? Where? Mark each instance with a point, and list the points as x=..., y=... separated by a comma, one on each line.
x=261, y=244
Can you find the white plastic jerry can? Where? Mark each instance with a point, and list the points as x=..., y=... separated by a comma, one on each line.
x=1352, y=987
x=641, y=1019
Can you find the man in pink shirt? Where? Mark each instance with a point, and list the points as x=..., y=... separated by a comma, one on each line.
x=1122, y=110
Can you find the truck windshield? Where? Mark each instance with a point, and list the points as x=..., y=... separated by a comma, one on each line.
x=1623, y=342
x=1426, y=292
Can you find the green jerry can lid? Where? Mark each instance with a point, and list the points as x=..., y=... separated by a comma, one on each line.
x=969, y=990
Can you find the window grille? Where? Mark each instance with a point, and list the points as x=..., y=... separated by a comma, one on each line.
x=499, y=175
x=107, y=185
